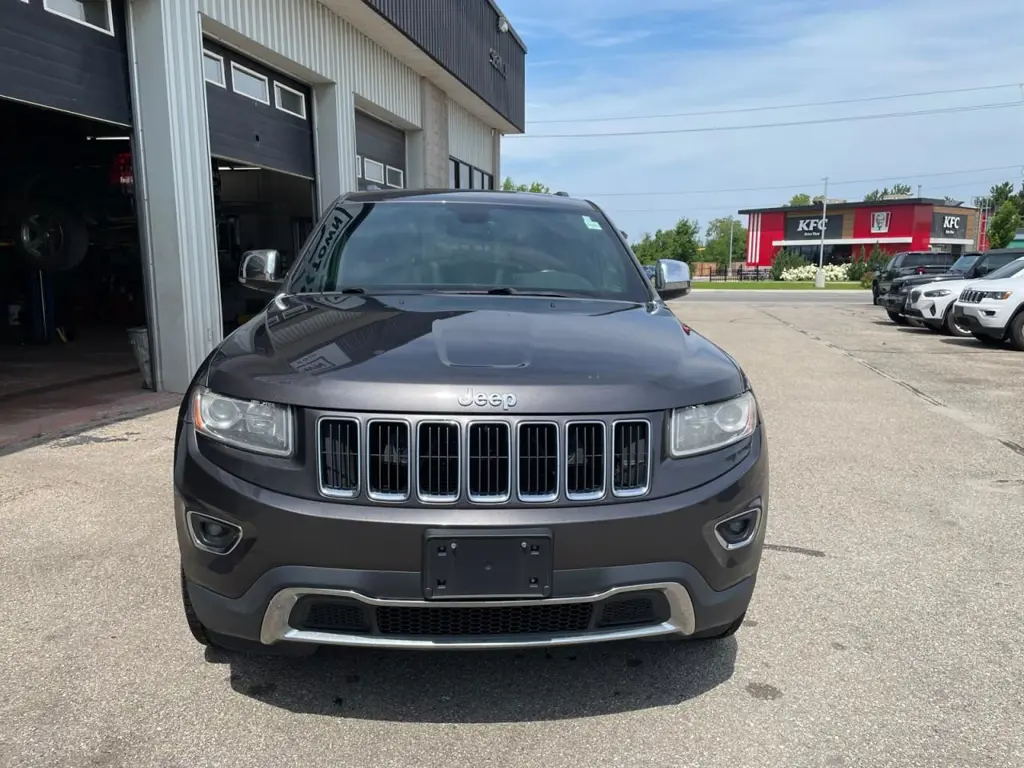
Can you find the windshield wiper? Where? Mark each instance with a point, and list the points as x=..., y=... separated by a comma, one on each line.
x=507, y=291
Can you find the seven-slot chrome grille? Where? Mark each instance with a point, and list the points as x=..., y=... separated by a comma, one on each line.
x=971, y=297
x=480, y=460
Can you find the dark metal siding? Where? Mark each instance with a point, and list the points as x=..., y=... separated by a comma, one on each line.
x=251, y=132
x=376, y=140
x=459, y=35
x=52, y=61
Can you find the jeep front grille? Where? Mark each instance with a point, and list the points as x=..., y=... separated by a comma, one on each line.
x=971, y=297
x=438, y=461
x=585, y=460
x=631, y=458
x=490, y=462
x=388, y=467
x=538, y=461
x=339, y=457
x=445, y=460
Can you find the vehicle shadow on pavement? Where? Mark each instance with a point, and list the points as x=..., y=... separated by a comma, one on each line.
x=976, y=346
x=484, y=687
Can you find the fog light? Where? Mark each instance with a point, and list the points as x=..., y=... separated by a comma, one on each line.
x=739, y=530
x=211, y=535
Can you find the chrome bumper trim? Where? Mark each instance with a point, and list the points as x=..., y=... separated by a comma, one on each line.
x=275, y=626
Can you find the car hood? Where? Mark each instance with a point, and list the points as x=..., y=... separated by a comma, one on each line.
x=954, y=286
x=426, y=353
x=916, y=280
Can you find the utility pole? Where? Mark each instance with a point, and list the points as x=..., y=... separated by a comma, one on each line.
x=919, y=190
x=819, y=278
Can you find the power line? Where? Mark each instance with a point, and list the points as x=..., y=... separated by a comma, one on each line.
x=788, y=124
x=775, y=187
x=743, y=110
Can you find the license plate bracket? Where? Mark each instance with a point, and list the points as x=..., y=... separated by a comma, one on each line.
x=487, y=564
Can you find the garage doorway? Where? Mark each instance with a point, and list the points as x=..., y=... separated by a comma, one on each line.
x=261, y=139
x=71, y=281
x=256, y=208
x=380, y=154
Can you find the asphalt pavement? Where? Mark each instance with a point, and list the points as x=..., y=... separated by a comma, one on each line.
x=885, y=630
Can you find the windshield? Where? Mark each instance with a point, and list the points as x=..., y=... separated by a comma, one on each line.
x=416, y=245
x=1008, y=270
x=964, y=263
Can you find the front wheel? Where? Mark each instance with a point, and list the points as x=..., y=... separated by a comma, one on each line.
x=1016, y=332
x=897, y=318
x=951, y=327
x=874, y=294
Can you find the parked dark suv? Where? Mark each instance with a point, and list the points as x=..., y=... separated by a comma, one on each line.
x=467, y=420
x=908, y=263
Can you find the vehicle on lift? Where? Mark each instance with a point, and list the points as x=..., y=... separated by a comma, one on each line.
x=467, y=420
x=907, y=263
x=931, y=302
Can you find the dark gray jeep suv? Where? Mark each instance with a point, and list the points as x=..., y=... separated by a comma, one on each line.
x=467, y=420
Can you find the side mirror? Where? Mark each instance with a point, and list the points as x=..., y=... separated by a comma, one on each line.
x=672, y=278
x=259, y=270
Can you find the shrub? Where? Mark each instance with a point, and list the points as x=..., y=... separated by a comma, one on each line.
x=856, y=269
x=786, y=260
x=834, y=273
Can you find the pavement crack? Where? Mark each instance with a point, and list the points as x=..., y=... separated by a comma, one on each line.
x=795, y=550
x=964, y=418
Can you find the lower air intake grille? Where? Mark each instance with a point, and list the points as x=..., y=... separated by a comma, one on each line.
x=585, y=461
x=639, y=610
x=388, y=463
x=490, y=461
x=339, y=457
x=631, y=458
x=506, y=620
x=327, y=615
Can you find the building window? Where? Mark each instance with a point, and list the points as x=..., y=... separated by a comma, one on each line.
x=249, y=83
x=359, y=167
x=213, y=68
x=91, y=13
x=289, y=100
x=373, y=171
x=395, y=177
x=464, y=176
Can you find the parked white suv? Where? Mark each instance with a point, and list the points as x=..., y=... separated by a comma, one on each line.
x=993, y=311
x=932, y=303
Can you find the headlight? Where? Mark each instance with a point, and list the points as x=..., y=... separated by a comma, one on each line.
x=249, y=424
x=998, y=295
x=935, y=294
x=704, y=428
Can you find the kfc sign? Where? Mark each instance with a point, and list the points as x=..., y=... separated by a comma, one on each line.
x=950, y=225
x=809, y=227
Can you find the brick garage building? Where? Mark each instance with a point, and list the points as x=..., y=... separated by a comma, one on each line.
x=903, y=224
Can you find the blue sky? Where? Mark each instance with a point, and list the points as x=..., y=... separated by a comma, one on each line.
x=618, y=58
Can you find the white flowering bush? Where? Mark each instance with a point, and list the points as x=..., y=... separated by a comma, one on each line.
x=834, y=273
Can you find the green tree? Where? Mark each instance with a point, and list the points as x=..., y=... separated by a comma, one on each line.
x=880, y=194
x=716, y=241
x=1004, y=224
x=678, y=243
x=510, y=186
x=798, y=200
x=999, y=194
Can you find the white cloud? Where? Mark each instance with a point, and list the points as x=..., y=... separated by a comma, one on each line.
x=774, y=53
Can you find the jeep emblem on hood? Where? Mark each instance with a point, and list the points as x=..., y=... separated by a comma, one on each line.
x=503, y=400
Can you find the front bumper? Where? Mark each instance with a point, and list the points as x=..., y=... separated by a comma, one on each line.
x=980, y=320
x=655, y=566
x=894, y=302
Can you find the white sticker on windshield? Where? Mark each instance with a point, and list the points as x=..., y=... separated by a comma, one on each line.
x=591, y=224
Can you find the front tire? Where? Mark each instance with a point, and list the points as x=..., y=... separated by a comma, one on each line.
x=897, y=318
x=950, y=326
x=1016, y=332
x=195, y=626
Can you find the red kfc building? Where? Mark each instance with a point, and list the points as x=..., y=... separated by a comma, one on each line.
x=901, y=224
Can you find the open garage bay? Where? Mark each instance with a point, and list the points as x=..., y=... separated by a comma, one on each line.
x=885, y=629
